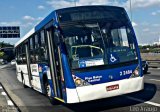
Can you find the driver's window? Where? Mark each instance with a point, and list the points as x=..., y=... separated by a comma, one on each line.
x=120, y=37
x=123, y=34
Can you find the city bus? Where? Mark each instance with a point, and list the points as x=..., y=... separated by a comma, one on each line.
x=80, y=54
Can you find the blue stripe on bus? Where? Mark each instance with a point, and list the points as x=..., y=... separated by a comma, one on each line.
x=109, y=75
x=136, y=45
x=66, y=70
x=45, y=21
x=44, y=71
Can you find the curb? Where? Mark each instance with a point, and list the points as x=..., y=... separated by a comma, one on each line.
x=18, y=103
x=10, y=98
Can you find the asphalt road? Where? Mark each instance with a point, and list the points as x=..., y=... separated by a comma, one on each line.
x=29, y=100
x=6, y=104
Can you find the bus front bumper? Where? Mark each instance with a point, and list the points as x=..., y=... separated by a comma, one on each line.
x=105, y=90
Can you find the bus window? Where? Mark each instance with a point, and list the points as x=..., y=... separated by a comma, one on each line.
x=107, y=38
x=42, y=37
x=31, y=50
x=37, y=46
x=31, y=43
x=24, y=60
x=120, y=37
x=42, y=52
x=36, y=41
x=18, y=55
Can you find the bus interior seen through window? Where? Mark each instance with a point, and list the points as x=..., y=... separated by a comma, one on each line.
x=83, y=39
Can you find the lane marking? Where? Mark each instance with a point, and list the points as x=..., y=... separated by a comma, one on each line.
x=10, y=102
x=143, y=101
x=3, y=93
x=0, y=87
x=154, y=79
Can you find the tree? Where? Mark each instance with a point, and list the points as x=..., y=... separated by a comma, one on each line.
x=1, y=54
x=3, y=44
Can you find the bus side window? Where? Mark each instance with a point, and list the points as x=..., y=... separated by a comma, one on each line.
x=17, y=55
x=24, y=59
x=36, y=50
x=42, y=52
x=31, y=50
x=36, y=41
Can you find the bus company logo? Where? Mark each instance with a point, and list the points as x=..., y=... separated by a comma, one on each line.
x=93, y=79
x=112, y=87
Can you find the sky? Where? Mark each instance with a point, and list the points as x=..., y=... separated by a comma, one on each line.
x=28, y=13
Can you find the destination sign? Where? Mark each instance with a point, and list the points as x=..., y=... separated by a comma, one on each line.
x=9, y=32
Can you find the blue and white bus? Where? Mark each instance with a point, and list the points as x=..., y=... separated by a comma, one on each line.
x=80, y=54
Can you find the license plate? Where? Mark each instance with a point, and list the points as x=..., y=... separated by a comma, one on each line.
x=112, y=87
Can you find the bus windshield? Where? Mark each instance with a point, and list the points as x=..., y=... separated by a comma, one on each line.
x=99, y=43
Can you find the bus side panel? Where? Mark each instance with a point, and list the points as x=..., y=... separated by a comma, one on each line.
x=18, y=73
x=136, y=45
x=22, y=73
x=71, y=93
x=44, y=70
x=37, y=76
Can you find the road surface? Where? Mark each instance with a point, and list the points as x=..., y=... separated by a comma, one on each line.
x=29, y=100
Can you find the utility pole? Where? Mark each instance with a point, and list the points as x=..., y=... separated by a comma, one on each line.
x=131, y=9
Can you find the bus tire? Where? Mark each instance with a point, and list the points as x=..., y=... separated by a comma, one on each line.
x=52, y=100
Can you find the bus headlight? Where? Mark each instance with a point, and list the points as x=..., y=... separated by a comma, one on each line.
x=78, y=82
x=135, y=73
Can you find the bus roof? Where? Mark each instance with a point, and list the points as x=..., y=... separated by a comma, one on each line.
x=77, y=8
x=53, y=15
x=25, y=37
x=37, y=27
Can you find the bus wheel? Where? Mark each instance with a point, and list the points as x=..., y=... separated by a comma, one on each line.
x=48, y=94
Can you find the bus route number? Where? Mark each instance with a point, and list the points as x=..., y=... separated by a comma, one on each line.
x=125, y=72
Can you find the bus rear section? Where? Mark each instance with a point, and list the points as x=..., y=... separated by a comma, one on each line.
x=102, y=53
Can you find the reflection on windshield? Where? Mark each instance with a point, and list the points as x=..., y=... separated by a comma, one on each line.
x=93, y=44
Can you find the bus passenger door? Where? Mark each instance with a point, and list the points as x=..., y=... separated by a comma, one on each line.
x=54, y=63
x=28, y=64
